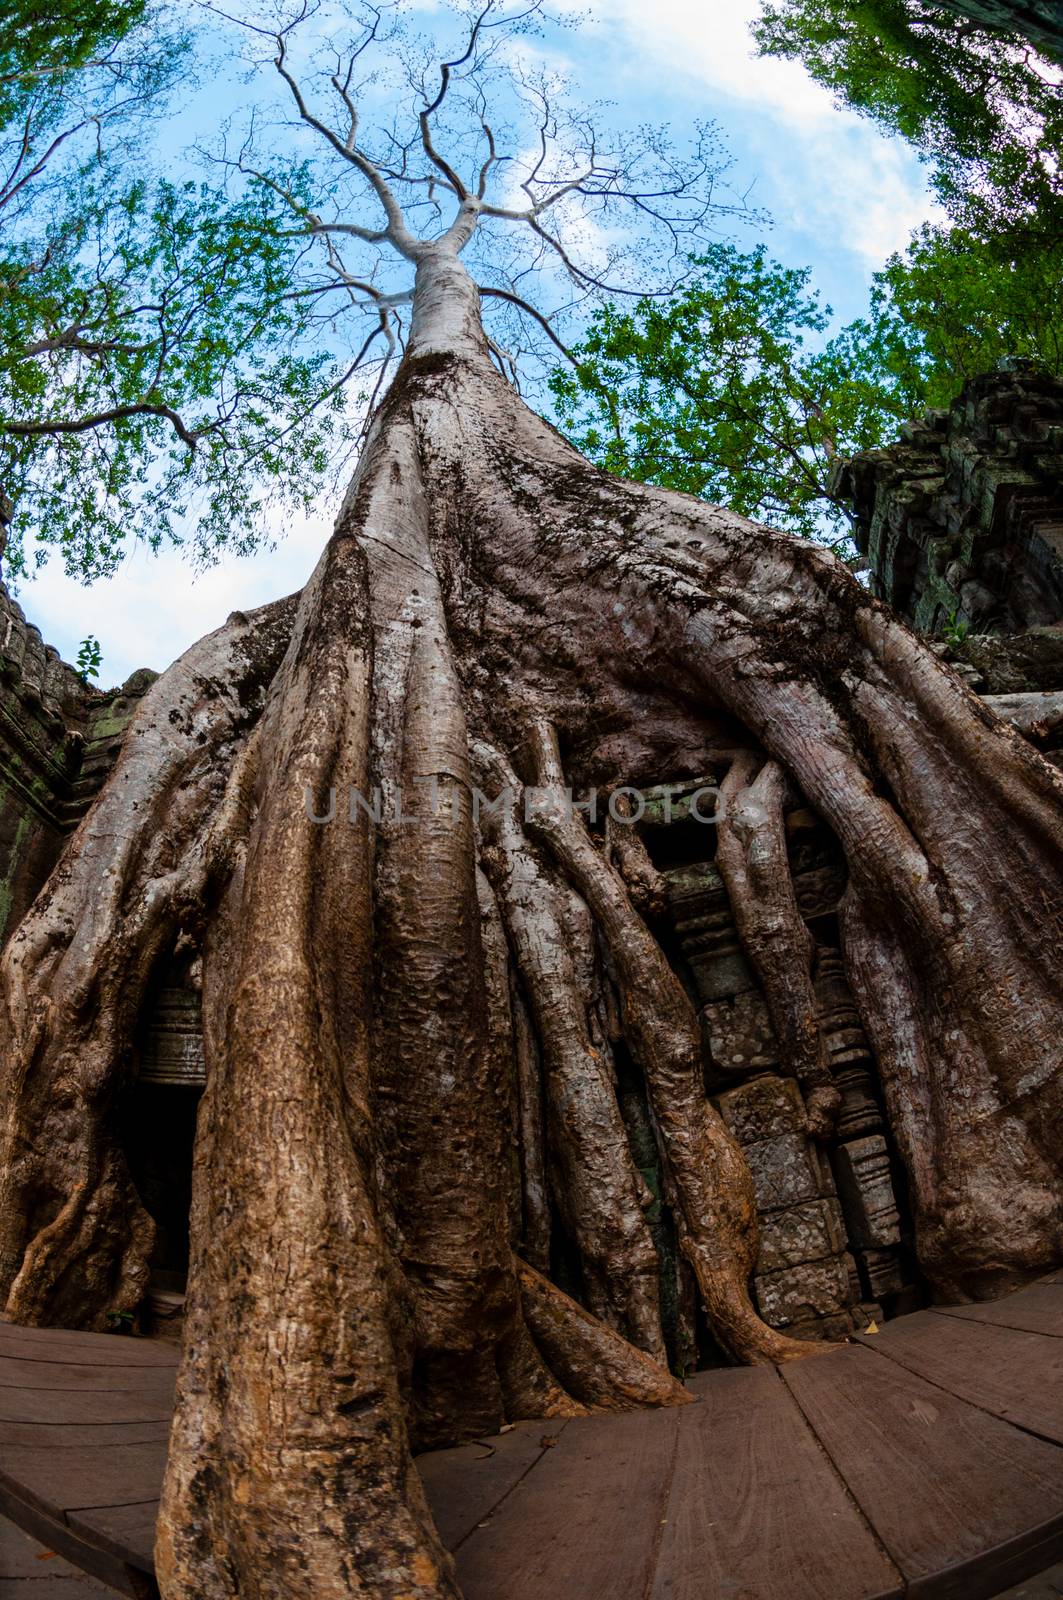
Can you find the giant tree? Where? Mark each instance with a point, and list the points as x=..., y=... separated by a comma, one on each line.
x=386, y=994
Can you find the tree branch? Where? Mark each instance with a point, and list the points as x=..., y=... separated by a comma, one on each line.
x=142, y=408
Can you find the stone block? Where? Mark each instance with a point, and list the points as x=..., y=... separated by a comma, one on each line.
x=737, y=1035
x=705, y=928
x=883, y=1271
x=835, y=1327
x=767, y=1117
x=787, y=1171
x=718, y=973
x=763, y=1108
x=795, y=1294
x=806, y=1232
x=865, y=1186
x=819, y=890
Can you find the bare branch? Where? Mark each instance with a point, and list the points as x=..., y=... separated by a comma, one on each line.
x=397, y=233
x=529, y=310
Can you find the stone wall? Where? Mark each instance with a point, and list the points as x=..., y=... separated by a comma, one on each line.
x=962, y=519
x=834, y=1252
x=58, y=741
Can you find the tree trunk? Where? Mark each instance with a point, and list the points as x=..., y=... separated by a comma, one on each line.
x=409, y=1087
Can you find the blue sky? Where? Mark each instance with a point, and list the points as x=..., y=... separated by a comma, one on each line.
x=841, y=195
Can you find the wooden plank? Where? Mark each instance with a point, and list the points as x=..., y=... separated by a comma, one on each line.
x=63, y=1407
x=30, y=1571
x=16, y=1373
x=756, y=1507
x=55, y=1586
x=466, y=1483
x=1038, y=1309
x=86, y=1349
x=1017, y=1376
x=958, y=1498
x=584, y=1523
x=57, y=1481
x=127, y=1531
x=87, y=1557
x=20, y=1555
x=98, y=1435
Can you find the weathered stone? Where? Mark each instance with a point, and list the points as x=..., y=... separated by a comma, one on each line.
x=706, y=932
x=865, y=1186
x=786, y=1171
x=813, y=1289
x=672, y=802
x=172, y=1050
x=1020, y=663
x=835, y=1327
x=738, y=1037
x=819, y=890
x=767, y=1107
x=884, y=1274
x=962, y=519
x=801, y=1233
x=51, y=762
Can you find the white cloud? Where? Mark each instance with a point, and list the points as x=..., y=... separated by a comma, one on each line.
x=867, y=186
x=156, y=606
x=710, y=40
x=836, y=172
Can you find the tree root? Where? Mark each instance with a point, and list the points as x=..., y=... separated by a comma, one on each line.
x=631, y=859
x=529, y=1387
x=289, y=1470
x=74, y=1238
x=714, y=1191
x=751, y=856
x=356, y=1194
x=595, y=1364
x=597, y=1182
x=535, y=1224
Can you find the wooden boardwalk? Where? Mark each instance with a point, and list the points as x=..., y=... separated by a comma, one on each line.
x=925, y=1460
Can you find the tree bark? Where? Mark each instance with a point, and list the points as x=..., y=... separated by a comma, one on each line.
x=376, y=1137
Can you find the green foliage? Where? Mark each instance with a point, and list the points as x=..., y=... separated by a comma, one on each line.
x=152, y=375
x=89, y=657
x=729, y=392
x=715, y=392
x=43, y=49
x=161, y=374
x=985, y=111
x=955, y=631
x=954, y=305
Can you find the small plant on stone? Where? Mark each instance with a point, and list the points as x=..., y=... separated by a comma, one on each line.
x=955, y=631
x=89, y=657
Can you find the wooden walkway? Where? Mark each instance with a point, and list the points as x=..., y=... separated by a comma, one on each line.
x=925, y=1460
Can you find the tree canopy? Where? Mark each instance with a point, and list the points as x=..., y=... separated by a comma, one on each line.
x=168, y=345
x=156, y=380
x=985, y=111
x=731, y=390
x=717, y=392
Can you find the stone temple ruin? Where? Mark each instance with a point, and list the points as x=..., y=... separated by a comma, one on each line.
x=962, y=523
x=962, y=519
x=833, y=1252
